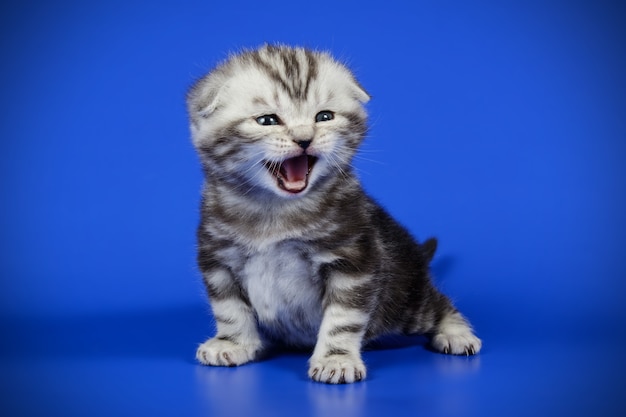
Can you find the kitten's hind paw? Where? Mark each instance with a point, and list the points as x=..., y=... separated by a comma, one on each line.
x=467, y=344
x=219, y=352
x=455, y=336
x=337, y=369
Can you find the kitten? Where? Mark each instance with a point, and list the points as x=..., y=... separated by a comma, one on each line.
x=290, y=247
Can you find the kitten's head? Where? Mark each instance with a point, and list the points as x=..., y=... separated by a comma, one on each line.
x=277, y=119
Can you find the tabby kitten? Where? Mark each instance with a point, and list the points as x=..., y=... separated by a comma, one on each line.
x=290, y=247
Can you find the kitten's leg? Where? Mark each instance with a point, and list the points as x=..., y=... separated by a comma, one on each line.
x=454, y=335
x=337, y=355
x=237, y=340
x=450, y=331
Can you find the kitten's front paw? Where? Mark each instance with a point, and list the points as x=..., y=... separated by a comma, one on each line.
x=218, y=352
x=337, y=369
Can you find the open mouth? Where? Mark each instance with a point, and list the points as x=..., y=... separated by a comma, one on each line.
x=292, y=175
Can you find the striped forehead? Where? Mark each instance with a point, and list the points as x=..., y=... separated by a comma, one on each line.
x=291, y=71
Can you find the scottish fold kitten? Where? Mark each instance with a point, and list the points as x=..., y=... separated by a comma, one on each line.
x=291, y=249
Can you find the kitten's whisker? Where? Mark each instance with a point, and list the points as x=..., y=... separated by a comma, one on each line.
x=345, y=155
x=361, y=158
x=335, y=160
x=249, y=180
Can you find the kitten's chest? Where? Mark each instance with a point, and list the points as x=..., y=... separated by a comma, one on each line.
x=284, y=288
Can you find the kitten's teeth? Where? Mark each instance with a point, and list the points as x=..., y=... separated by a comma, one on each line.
x=294, y=186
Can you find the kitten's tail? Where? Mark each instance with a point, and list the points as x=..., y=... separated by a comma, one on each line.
x=429, y=247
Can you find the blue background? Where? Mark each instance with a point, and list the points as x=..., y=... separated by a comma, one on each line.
x=499, y=127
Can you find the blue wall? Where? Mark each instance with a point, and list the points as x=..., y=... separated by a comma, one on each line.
x=498, y=127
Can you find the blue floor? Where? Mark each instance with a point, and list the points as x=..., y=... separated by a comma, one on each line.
x=142, y=364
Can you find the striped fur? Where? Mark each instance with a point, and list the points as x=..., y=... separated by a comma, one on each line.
x=291, y=248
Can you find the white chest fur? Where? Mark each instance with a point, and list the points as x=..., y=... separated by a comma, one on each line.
x=285, y=291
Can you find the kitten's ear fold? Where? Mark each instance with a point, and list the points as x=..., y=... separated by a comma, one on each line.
x=208, y=107
x=204, y=97
x=360, y=92
x=204, y=105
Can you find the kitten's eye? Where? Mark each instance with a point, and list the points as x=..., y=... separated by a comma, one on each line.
x=268, y=120
x=324, y=116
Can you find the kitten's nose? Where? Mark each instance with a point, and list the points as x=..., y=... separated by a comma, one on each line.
x=303, y=143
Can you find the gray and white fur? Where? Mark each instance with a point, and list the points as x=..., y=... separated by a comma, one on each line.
x=291, y=249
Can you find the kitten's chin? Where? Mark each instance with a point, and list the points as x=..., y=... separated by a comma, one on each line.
x=292, y=175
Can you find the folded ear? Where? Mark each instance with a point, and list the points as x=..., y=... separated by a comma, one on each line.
x=359, y=92
x=211, y=103
x=204, y=97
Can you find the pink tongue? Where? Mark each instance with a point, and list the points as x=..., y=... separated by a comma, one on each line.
x=295, y=169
